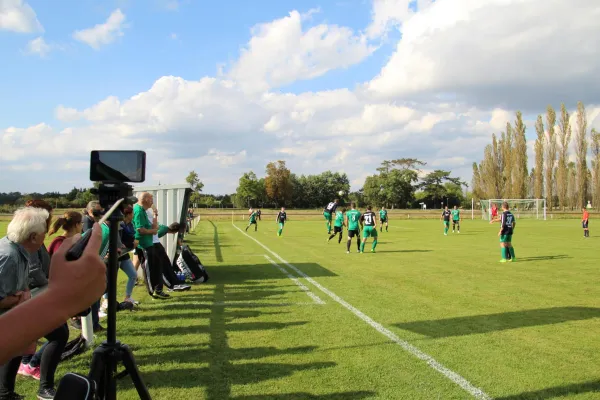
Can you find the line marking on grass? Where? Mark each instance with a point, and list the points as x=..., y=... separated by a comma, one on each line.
x=306, y=290
x=433, y=363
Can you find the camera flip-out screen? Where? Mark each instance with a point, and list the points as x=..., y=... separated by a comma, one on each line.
x=118, y=166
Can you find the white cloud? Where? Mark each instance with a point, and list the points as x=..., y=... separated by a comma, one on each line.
x=223, y=126
x=103, y=34
x=18, y=16
x=281, y=52
x=39, y=47
x=484, y=51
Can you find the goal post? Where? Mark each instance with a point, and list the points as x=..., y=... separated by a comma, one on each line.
x=521, y=208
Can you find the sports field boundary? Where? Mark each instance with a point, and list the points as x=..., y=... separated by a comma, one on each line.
x=434, y=364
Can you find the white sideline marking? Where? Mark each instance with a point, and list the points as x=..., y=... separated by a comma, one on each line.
x=448, y=373
x=306, y=290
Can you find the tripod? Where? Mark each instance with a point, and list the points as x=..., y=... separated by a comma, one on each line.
x=106, y=357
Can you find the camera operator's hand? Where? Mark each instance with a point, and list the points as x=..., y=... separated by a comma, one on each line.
x=80, y=282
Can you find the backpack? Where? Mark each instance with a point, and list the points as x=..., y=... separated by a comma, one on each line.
x=191, y=266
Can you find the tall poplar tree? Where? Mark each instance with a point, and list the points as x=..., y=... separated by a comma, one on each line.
x=520, y=176
x=581, y=148
x=538, y=189
x=564, y=138
x=550, y=155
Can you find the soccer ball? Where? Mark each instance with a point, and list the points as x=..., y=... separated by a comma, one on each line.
x=341, y=192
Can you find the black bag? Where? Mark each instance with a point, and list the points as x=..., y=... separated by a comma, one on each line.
x=190, y=265
x=74, y=347
x=76, y=387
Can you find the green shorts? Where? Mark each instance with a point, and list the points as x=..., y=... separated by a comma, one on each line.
x=505, y=238
x=447, y=223
x=369, y=231
x=327, y=216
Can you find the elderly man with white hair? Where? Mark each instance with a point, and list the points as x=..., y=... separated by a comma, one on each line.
x=144, y=231
x=25, y=235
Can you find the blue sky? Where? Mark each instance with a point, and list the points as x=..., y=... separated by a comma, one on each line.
x=340, y=84
x=208, y=34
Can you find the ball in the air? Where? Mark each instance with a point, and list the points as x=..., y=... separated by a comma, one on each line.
x=341, y=192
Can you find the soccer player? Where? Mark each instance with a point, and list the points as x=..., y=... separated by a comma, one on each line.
x=328, y=211
x=456, y=219
x=252, y=220
x=368, y=221
x=281, y=218
x=585, y=222
x=338, y=225
x=494, y=213
x=383, y=219
x=352, y=221
x=446, y=217
x=507, y=227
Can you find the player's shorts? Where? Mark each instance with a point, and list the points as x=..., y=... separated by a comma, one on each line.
x=383, y=220
x=337, y=229
x=327, y=215
x=456, y=221
x=369, y=231
x=584, y=224
x=447, y=223
x=252, y=222
x=506, y=238
x=281, y=224
x=352, y=233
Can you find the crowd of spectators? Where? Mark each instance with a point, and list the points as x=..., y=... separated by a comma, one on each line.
x=26, y=272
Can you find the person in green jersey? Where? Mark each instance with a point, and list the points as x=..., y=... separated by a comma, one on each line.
x=328, y=212
x=352, y=221
x=456, y=219
x=252, y=220
x=383, y=219
x=338, y=225
x=367, y=221
x=507, y=228
x=446, y=217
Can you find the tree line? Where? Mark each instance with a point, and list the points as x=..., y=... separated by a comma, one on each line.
x=565, y=182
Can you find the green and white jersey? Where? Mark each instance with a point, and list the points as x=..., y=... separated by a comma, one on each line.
x=383, y=215
x=455, y=215
x=253, y=217
x=353, y=219
x=339, y=219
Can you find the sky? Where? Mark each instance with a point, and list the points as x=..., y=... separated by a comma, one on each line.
x=225, y=87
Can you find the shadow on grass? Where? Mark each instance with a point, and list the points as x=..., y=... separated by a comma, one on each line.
x=499, y=322
x=557, y=391
x=543, y=258
x=224, y=367
x=218, y=253
x=232, y=315
x=308, y=396
x=403, y=251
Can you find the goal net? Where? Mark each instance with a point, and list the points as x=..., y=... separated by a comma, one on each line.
x=521, y=208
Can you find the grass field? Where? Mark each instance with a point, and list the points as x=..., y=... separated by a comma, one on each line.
x=426, y=317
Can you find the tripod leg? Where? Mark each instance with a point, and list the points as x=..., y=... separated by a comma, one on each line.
x=97, y=371
x=134, y=373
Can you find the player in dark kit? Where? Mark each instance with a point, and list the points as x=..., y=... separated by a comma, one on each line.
x=507, y=228
x=328, y=211
x=383, y=219
x=258, y=214
x=446, y=217
x=456, y=219
x=368, y=221
x=281, y=218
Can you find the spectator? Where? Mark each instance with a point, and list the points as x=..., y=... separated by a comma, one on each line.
x=25, y=235
x=144, y=230
x=71, y=223
x=128, y=243
x=92, y=214
x=170, y=278
x=31, y=319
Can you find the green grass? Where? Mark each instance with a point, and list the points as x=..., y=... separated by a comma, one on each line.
x=525, y=330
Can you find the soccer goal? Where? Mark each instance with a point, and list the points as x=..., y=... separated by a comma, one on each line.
x=521, y=208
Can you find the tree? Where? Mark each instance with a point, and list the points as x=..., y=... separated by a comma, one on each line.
x=505, y=162
x=519, y=159
x=278, y=183
x=476, y=184
x=394, y=185
x=564, y=138
x=550, y=154
x=249, y=190
x=432, y=185
x=572, y=192
x=538, y=185
x=596, y=168
x=581, y=148
x=196, y=185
